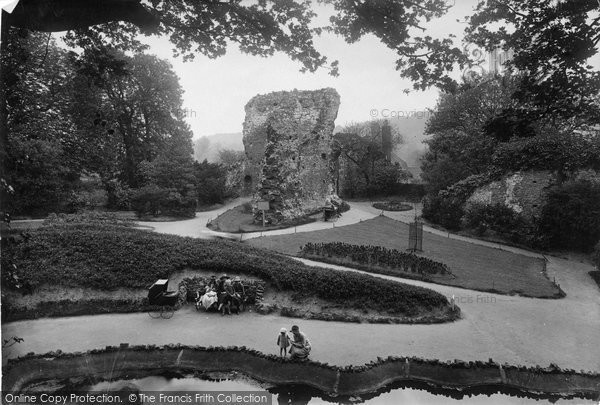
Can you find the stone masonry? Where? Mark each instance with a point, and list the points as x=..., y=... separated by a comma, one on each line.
x=526, y=192
x=288, y=142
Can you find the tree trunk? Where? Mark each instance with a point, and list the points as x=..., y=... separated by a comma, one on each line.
x=3, y=109
x=129, y=143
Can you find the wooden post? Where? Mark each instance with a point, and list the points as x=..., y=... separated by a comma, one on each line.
x=263, y=212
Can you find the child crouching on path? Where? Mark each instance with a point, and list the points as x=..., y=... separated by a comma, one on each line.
x=283, y=341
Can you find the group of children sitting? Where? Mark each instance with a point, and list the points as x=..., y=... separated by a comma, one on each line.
x=222, y=294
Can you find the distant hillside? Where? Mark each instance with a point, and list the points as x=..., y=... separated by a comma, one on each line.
x=208, y=147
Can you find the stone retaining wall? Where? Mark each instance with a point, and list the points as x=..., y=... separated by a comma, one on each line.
x=122, y=362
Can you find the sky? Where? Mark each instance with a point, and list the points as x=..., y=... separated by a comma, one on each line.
x=216, y=90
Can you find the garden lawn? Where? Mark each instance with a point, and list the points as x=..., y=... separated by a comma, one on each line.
x=475, y=266
x=108, y=257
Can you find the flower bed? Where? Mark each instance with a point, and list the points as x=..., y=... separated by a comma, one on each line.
x=392, y=206
x=377, y=256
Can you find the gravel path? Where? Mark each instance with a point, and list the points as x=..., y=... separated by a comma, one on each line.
x=509, y=329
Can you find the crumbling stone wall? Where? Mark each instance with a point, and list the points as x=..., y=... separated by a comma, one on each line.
x=526, y=192
x=523, y=192
x=288, y=143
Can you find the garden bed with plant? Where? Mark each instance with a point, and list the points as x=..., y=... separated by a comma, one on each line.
x=393, y=205
x=377, y=259
x=110, y=256
x=240, y=220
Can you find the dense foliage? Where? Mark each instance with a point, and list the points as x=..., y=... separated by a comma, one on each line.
x=108, y=257
x=39, y=158
x=98, y=112
x=211, y=183
x=447, y=206
x=376, y=255
x=477, y=138
x=552, y=42
x=153, y=200
x=88, y=217
x=571, y=216
x=459, y=146
x=498, y=218
x=561, y=152
x=266, y=27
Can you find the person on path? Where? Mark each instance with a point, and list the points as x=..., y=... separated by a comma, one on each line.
x=300, y=346
x=228, y=293
x=283, y=341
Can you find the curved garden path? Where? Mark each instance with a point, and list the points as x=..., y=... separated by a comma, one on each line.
x=510, y=329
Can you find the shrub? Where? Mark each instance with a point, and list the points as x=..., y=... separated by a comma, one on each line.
x=446, y=212
x=119, y=195
x=87, y=217
x=570, y=218
x=155, y=201
x=211, y=181
x=77, y=202
x=500, y=219
x=446, y=208
x=107, y=257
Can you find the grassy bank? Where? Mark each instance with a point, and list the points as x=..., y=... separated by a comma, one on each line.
x=108, y=257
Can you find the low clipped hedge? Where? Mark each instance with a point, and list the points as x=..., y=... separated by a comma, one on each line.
x=107, y=257
x=376, y=255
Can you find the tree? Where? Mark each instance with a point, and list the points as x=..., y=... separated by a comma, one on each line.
x=265, y=27
x=39, y=162
x=231, y=158
x=552, y=42
x=173, y=167
x=365, y=150
x=473, y=105
x=459, y=146
x=386, y=176
x=210, y=182
x=138, y=103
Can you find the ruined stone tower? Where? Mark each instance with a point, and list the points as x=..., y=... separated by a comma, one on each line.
x=288, y=141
